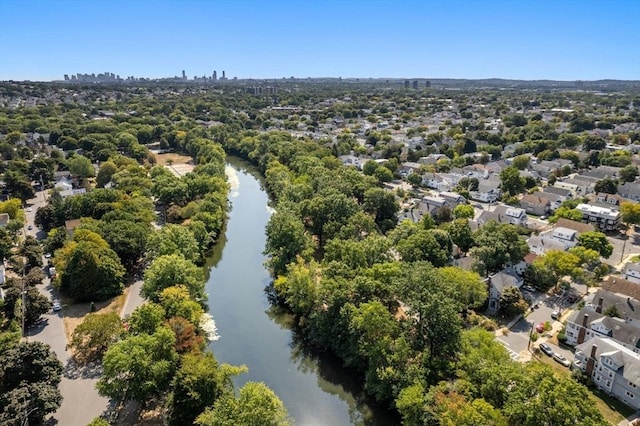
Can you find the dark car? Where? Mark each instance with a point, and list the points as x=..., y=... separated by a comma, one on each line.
x=546, y=349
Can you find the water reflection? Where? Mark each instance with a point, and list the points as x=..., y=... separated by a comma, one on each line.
x=313, y=386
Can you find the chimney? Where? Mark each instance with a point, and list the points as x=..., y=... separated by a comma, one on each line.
x=583, y=330
x=592, y=360
x=599, y=307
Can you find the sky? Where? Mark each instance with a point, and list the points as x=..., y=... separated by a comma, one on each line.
x=514, y=39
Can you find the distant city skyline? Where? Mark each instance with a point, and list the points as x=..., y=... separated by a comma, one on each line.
x=518, y=39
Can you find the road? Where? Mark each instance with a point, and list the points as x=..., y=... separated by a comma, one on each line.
x=517, y=339
x=81, y=401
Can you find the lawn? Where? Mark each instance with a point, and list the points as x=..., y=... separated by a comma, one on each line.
x=74, y=313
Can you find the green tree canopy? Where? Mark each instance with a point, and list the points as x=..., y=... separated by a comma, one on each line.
x=597, y=241
x=171, y=270
x=256, y=405
x=139, y=366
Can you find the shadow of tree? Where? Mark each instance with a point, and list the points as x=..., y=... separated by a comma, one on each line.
x=90, y=370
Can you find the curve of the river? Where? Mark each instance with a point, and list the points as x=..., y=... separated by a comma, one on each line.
x=315, y=389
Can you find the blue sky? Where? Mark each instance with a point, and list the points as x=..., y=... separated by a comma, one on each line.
x=520, y=39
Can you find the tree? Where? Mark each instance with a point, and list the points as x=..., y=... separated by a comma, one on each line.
x=146, y=319
x=498, y=245
x=91, y=272
x=171, y=270
x=597, y=241
x=511, y=302
x=468, y=288
x=544, y=397
x=128, y=238
x=383, y=206
x=461, y=234
x=139, y=366
x=558, y=264
x=96, y=334
x=521, y=162
x=37, y=304
x=566, y=213
x=106, y=171
x=286, y=239
x=463, y=211
x=383, y=174
x=173, y=239
x=423, y=246
x=327, y=211
x=630, y=213
x=256, y=405
x=80, y=166
x=609, y=186
x=628, y=173
x=30, y=373
x=512, y=183
x=176, y=302
x=198, y=383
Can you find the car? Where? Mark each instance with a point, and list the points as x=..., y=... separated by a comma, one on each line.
x=543, y=217
x=546, y=349
x=540, y=328
x=56, y=306
x=47, y=255
x=528, y=288
x=561, y=359
x=29, y=209
x=555, y=314
x=30, y=227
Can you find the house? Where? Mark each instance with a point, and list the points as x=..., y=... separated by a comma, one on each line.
x=603, y=218
x=535, y=205
x=555, y=201
x=408, y=168
x=562, y=193
x=555, y=239
x=63, y=184
x=488, y=191
x=351, y=160
x=433, y=203
x=576, y=226
x=596, y=319
x=613, y=368
x=569, y=186
x=435, y=181
x=504, y=214
x=607, y=200
x=498, y=283
x=603, y=172
x=631, y=272
x=630, y=190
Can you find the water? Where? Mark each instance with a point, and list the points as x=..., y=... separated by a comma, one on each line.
x=315, y=389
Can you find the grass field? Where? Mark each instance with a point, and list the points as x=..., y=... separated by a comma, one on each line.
x=172, y=158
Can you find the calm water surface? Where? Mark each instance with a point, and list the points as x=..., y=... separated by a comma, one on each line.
x=315, y=389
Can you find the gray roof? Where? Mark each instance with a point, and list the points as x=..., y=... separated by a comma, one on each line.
x=629, y=360
x=557, y=191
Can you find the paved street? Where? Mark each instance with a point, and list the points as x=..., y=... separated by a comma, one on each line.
x=517, y=339
x=81, y=402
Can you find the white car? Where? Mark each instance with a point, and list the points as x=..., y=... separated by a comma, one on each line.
x=56, y=306
x=555, y=314
x=29, y=209
x=561, y=359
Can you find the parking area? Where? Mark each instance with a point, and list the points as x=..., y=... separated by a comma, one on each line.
x=517, y=340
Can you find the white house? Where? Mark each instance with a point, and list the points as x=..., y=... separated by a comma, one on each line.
x=612, y=367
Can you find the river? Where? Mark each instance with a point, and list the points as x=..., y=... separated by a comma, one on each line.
x=315, y=389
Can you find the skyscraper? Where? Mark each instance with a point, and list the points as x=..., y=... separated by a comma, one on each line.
x=184, y=76
x=215, y=75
